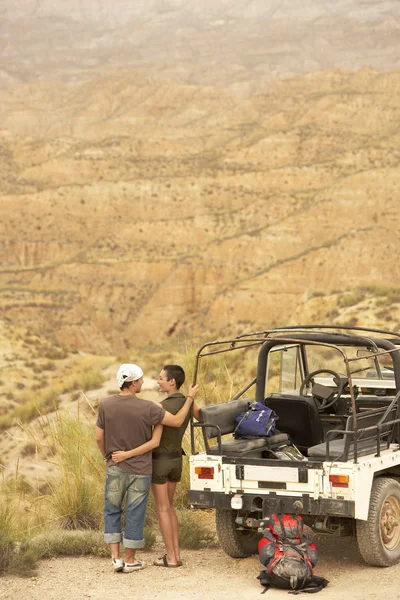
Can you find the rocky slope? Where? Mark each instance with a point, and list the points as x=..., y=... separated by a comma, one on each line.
x=137, y=211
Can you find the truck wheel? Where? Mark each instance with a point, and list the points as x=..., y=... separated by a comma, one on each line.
x=379, y=537
x=238, y=543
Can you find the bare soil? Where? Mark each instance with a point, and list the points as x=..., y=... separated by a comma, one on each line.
x=206, y=574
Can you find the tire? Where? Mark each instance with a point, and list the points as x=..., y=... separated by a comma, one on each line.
x=235, y=542
x=379, y=537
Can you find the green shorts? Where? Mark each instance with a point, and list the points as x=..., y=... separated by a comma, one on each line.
x=166, y=469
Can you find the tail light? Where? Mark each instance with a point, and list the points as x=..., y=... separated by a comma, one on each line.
x=204, y=472
x=341, y=481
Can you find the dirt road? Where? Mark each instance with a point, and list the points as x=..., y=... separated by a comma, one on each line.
x=207, y=574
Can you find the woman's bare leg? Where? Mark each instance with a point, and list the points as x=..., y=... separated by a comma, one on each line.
x=161, y=497
x=171, y=486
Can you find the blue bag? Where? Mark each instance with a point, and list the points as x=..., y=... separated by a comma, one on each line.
x=257, y=421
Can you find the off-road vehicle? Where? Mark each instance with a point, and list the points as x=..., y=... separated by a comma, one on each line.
x=334, y=457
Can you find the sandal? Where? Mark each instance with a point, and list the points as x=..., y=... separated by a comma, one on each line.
x=163, y=562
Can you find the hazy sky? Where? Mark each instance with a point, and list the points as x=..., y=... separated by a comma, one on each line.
x=124, y=10
x=59, y=38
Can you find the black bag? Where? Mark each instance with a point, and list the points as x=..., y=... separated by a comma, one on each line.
x=316, y=584
x=289, y=556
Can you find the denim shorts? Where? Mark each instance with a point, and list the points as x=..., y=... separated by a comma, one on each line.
x=135, y=490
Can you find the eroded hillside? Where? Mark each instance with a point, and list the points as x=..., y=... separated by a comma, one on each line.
x=136, y=211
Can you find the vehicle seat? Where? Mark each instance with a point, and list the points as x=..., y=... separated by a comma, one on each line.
x=299, y=418
x=220, y=419
x=367, y=435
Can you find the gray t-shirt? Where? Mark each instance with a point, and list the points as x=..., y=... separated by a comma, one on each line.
x=127, y=422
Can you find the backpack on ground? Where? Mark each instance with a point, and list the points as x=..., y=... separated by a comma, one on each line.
x=289, y=557
x=258, y=421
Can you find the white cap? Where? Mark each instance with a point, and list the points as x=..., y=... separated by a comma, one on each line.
x=128, y=372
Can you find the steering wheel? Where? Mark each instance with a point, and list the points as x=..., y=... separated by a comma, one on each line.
x=324, y=395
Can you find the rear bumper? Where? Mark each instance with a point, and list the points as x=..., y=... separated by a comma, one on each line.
x=272, y=503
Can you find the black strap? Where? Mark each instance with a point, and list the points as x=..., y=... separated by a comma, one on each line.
x=161, y=454
x=264, y=578
x=315, y=585
x=245, y=416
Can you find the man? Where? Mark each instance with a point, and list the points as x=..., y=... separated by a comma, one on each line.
x=125, y=422
x=167, y=464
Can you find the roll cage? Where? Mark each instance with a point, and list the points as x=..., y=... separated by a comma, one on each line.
x=377, y=342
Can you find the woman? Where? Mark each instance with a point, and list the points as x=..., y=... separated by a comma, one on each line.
x=167, y=464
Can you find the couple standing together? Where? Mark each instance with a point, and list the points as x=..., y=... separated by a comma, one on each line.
x=141, y=443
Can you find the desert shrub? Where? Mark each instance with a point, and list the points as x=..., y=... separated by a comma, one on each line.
x=10, y=507
x=85, y=375
x=193, y=534
x=69, y=543
x=391, y=294
x=76, y=496
x=351, y=298
x=29, y=449
x=49, y=366
x=6, y=421
x=7, y=546
x=25, y=412
x=382, y=314
x=54, y=353
x=149, y=535
x=91, y=380
x=23, y=561
x=352, y=321
x=382, y=301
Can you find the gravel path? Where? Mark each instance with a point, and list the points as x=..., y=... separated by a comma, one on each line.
x=207, y=574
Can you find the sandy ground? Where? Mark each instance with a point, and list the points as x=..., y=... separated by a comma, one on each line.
x=207, y=574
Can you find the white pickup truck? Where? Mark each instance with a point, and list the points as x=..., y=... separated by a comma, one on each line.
x=334, y=457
